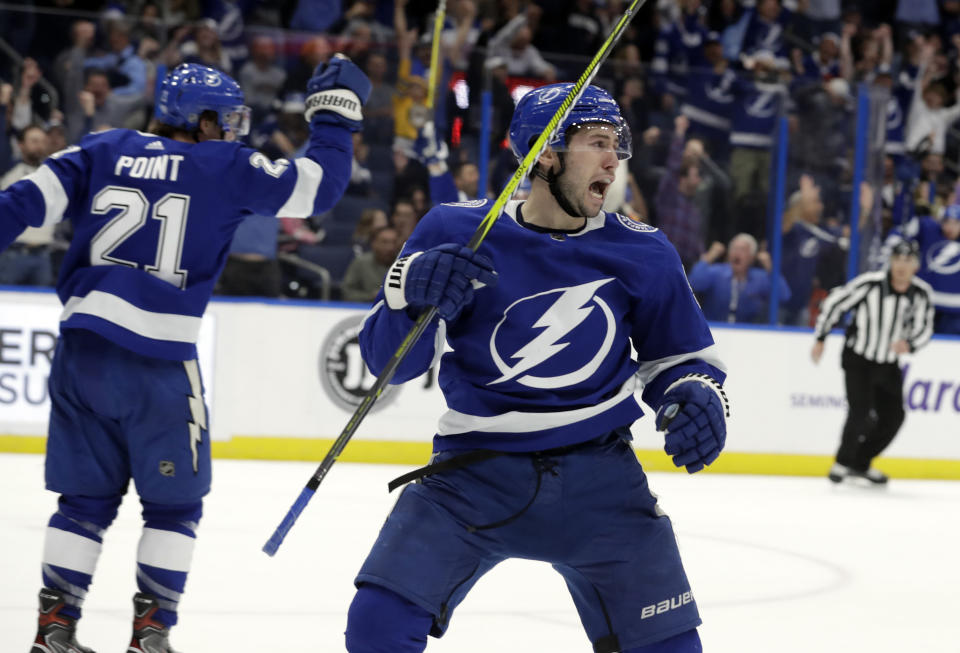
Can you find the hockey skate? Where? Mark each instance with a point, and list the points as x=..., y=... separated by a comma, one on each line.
x=149, y=636
x=56, y=633
x=838, y=473
x=875, y=476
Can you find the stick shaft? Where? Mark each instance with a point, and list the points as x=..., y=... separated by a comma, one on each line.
x=435, y=54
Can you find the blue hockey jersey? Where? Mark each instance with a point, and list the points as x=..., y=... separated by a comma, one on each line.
x=939, y=260
x=770, y=37
x=678, y=47
x=709, y=99
x=543, y=359
x=756, y=110
x=803, y=245
x=153, y=219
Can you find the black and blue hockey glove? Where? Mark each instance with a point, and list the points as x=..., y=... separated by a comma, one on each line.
x=336, y=92
x=444, y=276
x=693, y=414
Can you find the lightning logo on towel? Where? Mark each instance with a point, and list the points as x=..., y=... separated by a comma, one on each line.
x=944, y=258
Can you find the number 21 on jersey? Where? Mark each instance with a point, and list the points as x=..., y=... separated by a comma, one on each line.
x=171, y=210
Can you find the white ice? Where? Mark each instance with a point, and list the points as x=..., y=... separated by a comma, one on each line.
x=777, y=565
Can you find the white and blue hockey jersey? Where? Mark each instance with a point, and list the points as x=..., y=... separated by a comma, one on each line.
x=543, y=359
x=153, y=219
x=756, y=109
x=898, y=107
x=709, y=100
x=939, y=260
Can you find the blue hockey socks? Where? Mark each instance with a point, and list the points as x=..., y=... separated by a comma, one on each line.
x=165, y=553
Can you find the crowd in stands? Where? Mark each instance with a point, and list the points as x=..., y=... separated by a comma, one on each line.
x=704, y=85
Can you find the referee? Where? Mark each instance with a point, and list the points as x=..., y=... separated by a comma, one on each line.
x=892, y=315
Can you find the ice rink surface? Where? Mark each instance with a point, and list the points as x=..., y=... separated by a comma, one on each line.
x=777, y=565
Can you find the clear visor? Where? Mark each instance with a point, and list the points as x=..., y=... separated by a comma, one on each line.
x=236, y=120
x=597, y=137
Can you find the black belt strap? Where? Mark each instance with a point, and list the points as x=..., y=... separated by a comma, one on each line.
x=456, y=462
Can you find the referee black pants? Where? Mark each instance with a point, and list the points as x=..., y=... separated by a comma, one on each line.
x=875, y=397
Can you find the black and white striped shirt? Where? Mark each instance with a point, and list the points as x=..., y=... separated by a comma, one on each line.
x=881, y=315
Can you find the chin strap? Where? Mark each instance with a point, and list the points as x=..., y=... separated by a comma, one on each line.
x=552, y=178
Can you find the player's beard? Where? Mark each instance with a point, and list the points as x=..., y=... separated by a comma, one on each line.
x=575, y=196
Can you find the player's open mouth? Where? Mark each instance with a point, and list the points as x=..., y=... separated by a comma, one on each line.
x=598, y=189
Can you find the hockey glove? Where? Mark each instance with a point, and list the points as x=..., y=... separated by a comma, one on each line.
x=444, y=276
x=693, y=413
x=429, y=150
x=335, y=94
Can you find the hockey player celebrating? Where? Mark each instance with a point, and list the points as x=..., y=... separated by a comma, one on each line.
x=532, y=458
x=154, y=214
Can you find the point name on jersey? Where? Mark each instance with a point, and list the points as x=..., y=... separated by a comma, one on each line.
x=165, y=167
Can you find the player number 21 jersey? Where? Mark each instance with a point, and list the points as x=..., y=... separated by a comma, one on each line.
x=153, y=219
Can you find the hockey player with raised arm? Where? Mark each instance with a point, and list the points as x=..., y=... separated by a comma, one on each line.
x=153, y=216
x=533, y=458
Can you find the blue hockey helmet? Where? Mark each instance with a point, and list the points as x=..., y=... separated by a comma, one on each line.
x=537, y=107
x=190, y=89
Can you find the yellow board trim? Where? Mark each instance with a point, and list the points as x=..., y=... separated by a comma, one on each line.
x=418, y=453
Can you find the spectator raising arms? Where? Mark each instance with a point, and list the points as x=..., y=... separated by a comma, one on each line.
x=735, y=291
x=930, y=117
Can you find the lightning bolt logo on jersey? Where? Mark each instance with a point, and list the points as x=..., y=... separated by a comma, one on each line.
x=568, y=310
x=939, y=257
x=543, y=359
x=944, y=258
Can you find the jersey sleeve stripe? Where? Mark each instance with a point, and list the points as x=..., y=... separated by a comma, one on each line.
x=453, y=421
x=649, y=370
x=157, y=326
x=300, y=202
x=54, y=196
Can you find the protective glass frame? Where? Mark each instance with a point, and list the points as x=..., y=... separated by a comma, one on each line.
x=236, y=119
x=624, y=148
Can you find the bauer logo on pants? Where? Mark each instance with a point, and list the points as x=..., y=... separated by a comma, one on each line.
x=343, y=373
x=666, y=605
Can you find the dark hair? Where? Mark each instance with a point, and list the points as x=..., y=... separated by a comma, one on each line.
x=906, y=248
x=363, y=230
x=939, y=89
x=458, y=167
x=22, y=134
x=93, y=72
x=402, y=200
x=379, y=230
x=169, y=131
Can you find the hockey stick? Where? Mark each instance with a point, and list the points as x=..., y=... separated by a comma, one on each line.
x=270, y=548
x=435, y=54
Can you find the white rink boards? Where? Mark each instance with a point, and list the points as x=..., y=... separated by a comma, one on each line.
x=280, y=377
